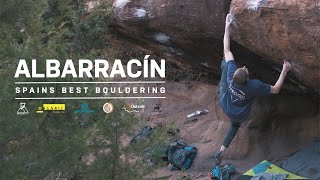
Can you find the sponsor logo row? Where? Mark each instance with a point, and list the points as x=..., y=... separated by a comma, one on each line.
x=61, y=108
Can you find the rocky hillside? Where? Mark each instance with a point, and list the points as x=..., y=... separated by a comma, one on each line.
x=264, y=32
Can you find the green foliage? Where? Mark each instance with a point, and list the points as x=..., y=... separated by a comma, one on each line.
x=40, y=146
x=37, y=143
x=20, y=23
x=126, y=160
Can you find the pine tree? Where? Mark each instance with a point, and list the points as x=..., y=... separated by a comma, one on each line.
x=49, y=145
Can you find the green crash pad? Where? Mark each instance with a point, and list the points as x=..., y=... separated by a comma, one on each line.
x=268, y=167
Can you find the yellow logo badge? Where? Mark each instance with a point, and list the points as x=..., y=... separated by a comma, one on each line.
x=57, y=108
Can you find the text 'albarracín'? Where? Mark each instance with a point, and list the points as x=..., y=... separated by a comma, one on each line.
x=53, y=69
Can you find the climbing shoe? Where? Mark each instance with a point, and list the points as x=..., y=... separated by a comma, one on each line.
x=218, y=157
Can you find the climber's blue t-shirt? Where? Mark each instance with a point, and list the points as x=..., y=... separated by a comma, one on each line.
x=236, y=102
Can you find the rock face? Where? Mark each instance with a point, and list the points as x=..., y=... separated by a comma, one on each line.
x=172, y=20
x=282, y=29
x=181, y=28
x=267, y=30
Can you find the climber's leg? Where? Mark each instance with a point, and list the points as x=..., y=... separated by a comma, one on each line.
x=223, y=85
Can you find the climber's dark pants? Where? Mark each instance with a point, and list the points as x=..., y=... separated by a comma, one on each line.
x=222, y=90
x=231, y=133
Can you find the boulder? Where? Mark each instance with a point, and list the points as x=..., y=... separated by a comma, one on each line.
x=172, y=20
x=277, y=30
x=185, y=29
x=192, y=31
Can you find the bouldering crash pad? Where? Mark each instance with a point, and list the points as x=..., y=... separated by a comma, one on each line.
x=267, y=167
x=305, y=162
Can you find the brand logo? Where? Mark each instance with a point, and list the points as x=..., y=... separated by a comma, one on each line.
x=133, y=108
x=40, y=109
x=84, y=109
x=108, y=108
x=56, y=108
x=22, y=109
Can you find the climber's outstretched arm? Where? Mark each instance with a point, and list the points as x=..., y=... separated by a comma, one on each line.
x=226, y=40
x=278, y=85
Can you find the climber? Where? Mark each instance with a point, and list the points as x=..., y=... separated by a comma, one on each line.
x=237, y=91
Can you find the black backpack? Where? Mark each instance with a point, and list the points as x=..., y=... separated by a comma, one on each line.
x=180, y=155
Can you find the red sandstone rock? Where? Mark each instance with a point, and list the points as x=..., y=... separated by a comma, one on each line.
x=275, y=30
x=182, y=28
x=173, y=19
x=282, y=29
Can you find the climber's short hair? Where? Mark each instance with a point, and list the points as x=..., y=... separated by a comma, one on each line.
x=240, y=77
